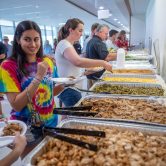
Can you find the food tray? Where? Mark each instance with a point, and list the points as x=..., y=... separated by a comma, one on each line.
x=160, y=101
x=128, y=75
x=35, y=152
x=70, y=122
x=135, y=66
x=142, y=71
x=133, y=78
x=137, y=62
x=145, y=86
x=132, y=58
x=75, y=123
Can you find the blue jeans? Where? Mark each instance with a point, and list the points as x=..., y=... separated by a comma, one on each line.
x=70, y=97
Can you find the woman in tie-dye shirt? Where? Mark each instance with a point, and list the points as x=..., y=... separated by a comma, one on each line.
x=24, y=77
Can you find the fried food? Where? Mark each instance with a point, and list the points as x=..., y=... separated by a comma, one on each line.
x=136, y=71
x=128, y=109
x=11, y=129
x=120, y=147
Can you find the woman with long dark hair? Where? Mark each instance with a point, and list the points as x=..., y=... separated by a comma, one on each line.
x=69, y=62
x=25, y=76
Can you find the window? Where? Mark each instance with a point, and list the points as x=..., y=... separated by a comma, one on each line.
x=49, y=34
x=8, y=31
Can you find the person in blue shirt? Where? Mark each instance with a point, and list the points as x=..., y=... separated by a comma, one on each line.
x=47, y=48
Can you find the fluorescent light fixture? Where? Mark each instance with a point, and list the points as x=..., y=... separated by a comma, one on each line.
x=101, y=8
x=103, y=14
x=17, y=7
x=115, y=19
x=110, y=14
x=121, y=24
x=61, y=24
x=20, y=14
x=118, y=22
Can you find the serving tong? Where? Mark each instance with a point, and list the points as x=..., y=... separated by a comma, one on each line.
x=41, y=130
x=74, y=108
x=91, y=91
x=55, y=132
x=75, y=111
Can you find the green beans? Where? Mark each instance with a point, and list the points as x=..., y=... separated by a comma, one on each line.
x=122, y=89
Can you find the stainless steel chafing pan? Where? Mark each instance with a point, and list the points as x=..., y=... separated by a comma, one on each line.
x=154, y=100
x=150, y=134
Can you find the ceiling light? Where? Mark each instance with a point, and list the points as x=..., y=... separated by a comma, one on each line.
x=61, y=24
x=17, y=7
x=115, y=19
x=110, y=14
x=20, y=14
x=121, y=24
x=101, y=8
x=118, y=22
x=103, y=14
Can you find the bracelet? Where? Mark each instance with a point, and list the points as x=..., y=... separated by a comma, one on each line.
x=37, y=79
x=35, y=83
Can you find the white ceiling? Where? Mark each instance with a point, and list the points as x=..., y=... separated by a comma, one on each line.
x=53, y=12
x=114, y=6
x=138, y=6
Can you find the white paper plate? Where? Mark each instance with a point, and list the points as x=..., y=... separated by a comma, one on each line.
x=6, y=140
x=67, y=80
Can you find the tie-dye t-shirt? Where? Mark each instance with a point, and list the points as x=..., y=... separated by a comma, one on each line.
x=11, y=80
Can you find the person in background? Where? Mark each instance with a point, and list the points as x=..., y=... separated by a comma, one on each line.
x=93, y=30
x=96, y=49
x=121, y=41
x=25, y=76
x=8, y=46
x=19, y=146
x=55, y=44
x=69, y=62
x=111, y=41
x=77, y=47
x=3, y=52
x=11, y=42
x=47, y=48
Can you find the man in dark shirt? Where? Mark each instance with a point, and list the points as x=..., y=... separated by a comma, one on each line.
x=77, y=47
x=3, y=52
x=96, y=49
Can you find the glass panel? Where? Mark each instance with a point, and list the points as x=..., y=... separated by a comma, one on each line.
x=48, y=28
x=43, y=36
x=49, y=36
x=54, y=33
x=41, y=27
x=6, y=22
x=8, y=31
